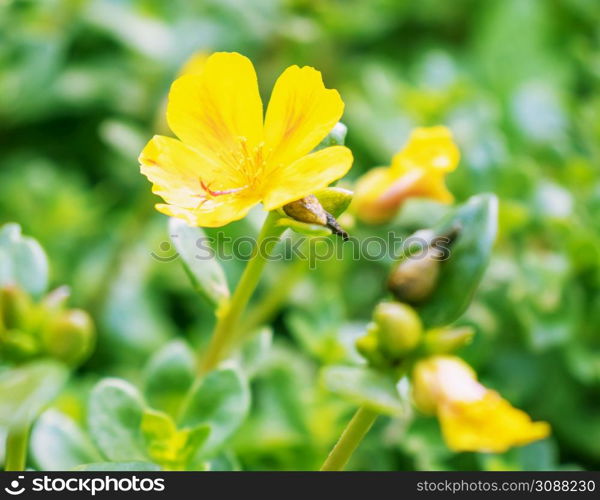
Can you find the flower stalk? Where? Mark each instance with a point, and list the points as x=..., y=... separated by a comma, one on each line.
x=228, y=315
x=17, y=442
x=352, y=436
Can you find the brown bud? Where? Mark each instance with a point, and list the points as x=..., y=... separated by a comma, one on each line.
x=310, y=211
x=414, y=279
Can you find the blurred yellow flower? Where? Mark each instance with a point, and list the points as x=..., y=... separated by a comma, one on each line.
x=418, y=170
x=472, y=417
x=227, y=158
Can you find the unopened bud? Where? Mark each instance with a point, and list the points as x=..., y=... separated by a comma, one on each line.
x=399, y=328
x=310, y=211
x=415, y=278
x=447, y=340
x=368, y=347
x=15, y=308
x=17, y=345
x=334, y=200
x=69, y=336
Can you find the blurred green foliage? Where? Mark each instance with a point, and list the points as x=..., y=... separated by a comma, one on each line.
x=83, y=85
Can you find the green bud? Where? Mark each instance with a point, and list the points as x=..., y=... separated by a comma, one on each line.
x=335, y=200
x=399, y=328
x=17, y=345
x=368, y=347
x=69, y=336
x=15, y=308
x=447, y=340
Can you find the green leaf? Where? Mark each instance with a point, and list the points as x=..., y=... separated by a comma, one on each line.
x=222, y=401
x=58, y=443
x=23, y=262
x=119, y=466
x=337, y=137
x=169, y=376
x=114, y=419
x=364, y=386
x=199, y=261
x=255, y=351
x=26, y=390
x=460, y=275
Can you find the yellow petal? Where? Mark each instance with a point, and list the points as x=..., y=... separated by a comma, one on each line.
x=215, y=212
x=306, y=175
x=176, y=169
x=219, y=111
x=378, y=195
x=301, y=113
x=490, y=424
x=429, y=148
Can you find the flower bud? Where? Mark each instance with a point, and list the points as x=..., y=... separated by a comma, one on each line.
x=69, y=336
x=15, y=307
x=334, y=200
x=414, y=279
x=399, y=328
x=17, y=345
x=447, y=340
x=307, y=209
x=368, y=347
x=310, y=211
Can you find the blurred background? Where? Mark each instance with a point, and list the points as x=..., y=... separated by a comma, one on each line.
x=83, y=87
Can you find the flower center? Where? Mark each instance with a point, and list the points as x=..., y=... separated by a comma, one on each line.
x=247, y=168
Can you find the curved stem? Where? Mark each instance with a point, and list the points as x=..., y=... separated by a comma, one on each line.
x=353, y=434
x=228, y=316
x=276, y=296
x=16, y=448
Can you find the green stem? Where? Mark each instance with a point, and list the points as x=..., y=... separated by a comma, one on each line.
x=353, y=434
x=16, y=448
x=228, y=316
x=276, y=296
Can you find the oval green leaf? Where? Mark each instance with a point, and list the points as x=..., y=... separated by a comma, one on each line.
x=477, y=220
x=364, y=386
x=27, y=389
x=58, y=443
x=169, y=376
x=23, y=262
x=221, y=400
x=114, y=419
x=199, y=261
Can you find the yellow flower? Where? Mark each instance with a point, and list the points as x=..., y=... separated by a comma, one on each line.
x=418, y=170
x=227, y=158
x=472, y=417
